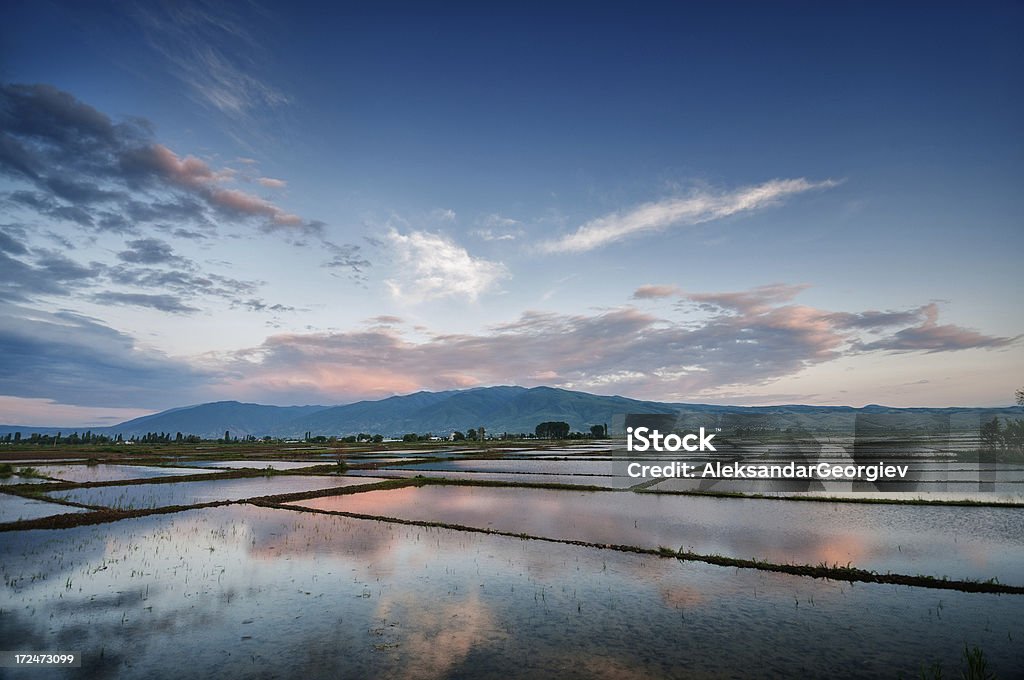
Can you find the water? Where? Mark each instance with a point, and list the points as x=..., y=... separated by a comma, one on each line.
x=15, y=508
x=254, y=464
x=243, y=592
x=105, y=472
x=562, y=467
x=17, y=479
x=141, y=496
x=514, y=478
x=956, y=542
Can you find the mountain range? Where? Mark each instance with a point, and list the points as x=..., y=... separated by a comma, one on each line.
x=498, y=409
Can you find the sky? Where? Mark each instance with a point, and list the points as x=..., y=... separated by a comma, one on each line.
x=318, y=203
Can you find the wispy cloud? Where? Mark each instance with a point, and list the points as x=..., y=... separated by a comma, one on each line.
x=698, y=207
x=433, y=266
x=163, y=303
x=495, y=227
x=212, y=50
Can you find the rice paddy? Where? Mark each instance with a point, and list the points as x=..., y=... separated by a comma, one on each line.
x=518, y=563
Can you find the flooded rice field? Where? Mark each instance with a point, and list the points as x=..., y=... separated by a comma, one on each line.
x=17, y=508
x=956, y=542
x=137, y=496
x=468, y=568
x=253, y=463
x=513, y=478
x=112, y=473
x=256, y=592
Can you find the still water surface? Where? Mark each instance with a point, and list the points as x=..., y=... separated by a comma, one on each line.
x=246, y=592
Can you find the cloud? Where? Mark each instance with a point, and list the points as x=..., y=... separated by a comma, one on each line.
x=929, y=336
x=494, y=227
x=156, y=162
x=257, y=305
x=78, y=159
x=47, y=413
x=271, y=183
x=698, y=207
x=748, y=301
x=653, y=292
x=147, y=251
x=873, y=320
x=77, y=166
x=745, y=339
x=163, y=303
x=433, y=266
x=347, y=257
x=185, y=282
x=12, y=240
x=386, y=320
x=77, y=360
x=212, y=51
x=50, y=274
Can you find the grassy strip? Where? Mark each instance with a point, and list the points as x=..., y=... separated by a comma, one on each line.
x=835, y=573
x=837, y=499
x=70, y=520
x=31, y=490
x=28, y=489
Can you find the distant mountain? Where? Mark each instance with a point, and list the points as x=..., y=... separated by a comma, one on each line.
x=498, y=409
x=206, y=420
x=211, y=420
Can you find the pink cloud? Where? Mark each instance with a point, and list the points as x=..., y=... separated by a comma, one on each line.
x=749, y=338
x=653, y=292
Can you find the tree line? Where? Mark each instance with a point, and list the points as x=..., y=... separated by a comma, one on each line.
x=1008, y=438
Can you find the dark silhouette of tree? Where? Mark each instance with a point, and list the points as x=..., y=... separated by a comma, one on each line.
x=991, y=435
x=554, y=429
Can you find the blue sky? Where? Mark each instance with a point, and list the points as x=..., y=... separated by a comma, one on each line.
x=305, y=203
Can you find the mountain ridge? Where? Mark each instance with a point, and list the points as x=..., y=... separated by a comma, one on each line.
x=503, y=408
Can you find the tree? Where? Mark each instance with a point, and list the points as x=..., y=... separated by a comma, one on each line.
x=1013, y=436
x=991, y=435
x=598, y=431
x=554, y=429
x=471, y=434
x=378, y=438
x=1020, y=397
x=458, y=436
